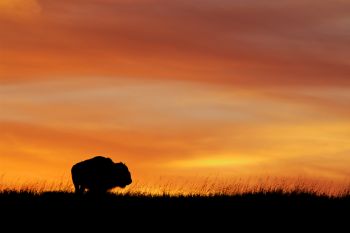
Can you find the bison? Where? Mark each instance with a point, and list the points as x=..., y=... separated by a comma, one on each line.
x=99, y=174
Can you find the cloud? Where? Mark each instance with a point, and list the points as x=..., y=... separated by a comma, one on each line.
x=223, y=42
x=19, y=9
x=172, y=127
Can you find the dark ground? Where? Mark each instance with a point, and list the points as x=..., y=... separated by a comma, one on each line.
x=294, y=211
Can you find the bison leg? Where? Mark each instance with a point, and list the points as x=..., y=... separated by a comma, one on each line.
x=79, y=189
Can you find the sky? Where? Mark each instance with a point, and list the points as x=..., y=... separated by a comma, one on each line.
x=175, y=88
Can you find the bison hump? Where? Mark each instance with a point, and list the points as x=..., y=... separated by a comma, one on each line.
x=101, y=159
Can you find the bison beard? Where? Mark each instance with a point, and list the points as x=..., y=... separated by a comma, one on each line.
x=99, y=174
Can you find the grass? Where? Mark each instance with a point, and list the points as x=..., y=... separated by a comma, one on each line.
x=204, y=187
x=271, y=191
x=212, y=204
x=259, y=201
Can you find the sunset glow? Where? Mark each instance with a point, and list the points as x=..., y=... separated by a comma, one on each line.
x=175, y=88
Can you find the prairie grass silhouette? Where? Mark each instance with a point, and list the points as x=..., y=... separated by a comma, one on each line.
x=217, y=208
x=278, y=191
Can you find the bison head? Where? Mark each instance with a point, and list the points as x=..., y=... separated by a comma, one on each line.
x=121, y=171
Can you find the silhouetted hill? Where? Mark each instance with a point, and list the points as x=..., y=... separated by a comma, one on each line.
x=220, y=211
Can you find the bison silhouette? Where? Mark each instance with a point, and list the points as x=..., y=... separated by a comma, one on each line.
x=99, y=174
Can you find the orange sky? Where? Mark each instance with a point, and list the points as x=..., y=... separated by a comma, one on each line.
x=196, y=87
